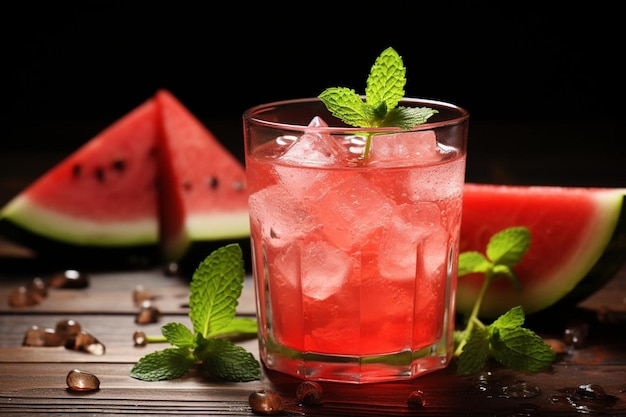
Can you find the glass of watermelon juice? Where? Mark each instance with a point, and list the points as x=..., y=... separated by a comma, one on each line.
x=354, y=258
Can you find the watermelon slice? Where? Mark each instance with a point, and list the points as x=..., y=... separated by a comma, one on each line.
x=203, y=186
x=77, y=205
x=149, y=187
x=578, y=243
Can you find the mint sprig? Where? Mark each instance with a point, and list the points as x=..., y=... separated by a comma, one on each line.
x=384, y=90
x=215, y=289
x=505, y=339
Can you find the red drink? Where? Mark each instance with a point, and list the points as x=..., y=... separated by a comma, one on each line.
x=355, y=259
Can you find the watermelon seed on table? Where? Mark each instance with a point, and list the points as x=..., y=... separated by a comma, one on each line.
x=69, y=278
x=78, y=380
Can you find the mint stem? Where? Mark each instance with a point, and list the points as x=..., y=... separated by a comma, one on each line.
x=368, y=145
x=155, y=339
x=473, y=318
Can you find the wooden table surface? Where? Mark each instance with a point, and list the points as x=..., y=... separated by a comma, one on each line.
x=33, y=379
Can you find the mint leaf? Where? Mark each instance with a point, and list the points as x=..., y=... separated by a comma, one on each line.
x=509, y=320
x=386, y=80
x=215, y=288
x=384, y=90
x=521, y=349
x=347, y=105
x=223, y=359
x=508, y=246
x=178, y=335
x=471, y=262
x=406, y=117
x=505, y=339
x=475, y=352
x=504, y=271
x=169, y=363
x=239, y=326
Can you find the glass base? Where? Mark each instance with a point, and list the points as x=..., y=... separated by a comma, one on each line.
x=355, y=369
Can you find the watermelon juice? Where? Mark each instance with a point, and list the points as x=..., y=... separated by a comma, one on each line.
x=354, y=260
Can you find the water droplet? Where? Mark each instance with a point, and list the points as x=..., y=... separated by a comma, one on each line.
x=416, y=399
x=586, y=399
x=521, y=389
x=82, y=381
x=309, y=393
x=575, y=335
x=591, y=391
x=266, y=403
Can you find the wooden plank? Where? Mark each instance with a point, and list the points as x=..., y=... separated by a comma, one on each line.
x=443, y=392
x=115, y=332
x=171, y=294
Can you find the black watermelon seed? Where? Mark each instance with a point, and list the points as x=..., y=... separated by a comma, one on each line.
x=119, y=165
x=212, y=182
x=99, y=173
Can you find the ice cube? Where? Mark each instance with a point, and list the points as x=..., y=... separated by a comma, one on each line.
x=281, y=218
x=351, y=211
x=314, y=148
x=325, y=269
x=435, y=250
x=320, y=268
x=408, y=226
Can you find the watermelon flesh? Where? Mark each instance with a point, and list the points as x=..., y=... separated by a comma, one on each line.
x=154, y=182
x=77, y=202
x=203, y=186
x=577, y=234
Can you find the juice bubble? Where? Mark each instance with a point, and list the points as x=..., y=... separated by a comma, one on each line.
x=437, y=182
x=402, y=149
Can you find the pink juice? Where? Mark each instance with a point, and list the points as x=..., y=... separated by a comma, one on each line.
x=355, y=257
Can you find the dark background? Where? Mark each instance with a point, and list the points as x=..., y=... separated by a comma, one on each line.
x=542, y=83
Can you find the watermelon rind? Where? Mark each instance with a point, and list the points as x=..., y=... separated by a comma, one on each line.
x=593, y=263
x=57, y=226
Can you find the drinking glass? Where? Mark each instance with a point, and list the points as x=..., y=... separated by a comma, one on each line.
x=355, y=240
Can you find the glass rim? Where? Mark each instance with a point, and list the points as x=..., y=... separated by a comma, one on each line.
x=254, y=116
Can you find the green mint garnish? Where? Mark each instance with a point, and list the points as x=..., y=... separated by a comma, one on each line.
x=214, y=290
x=505, y=339
x=384, y=90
